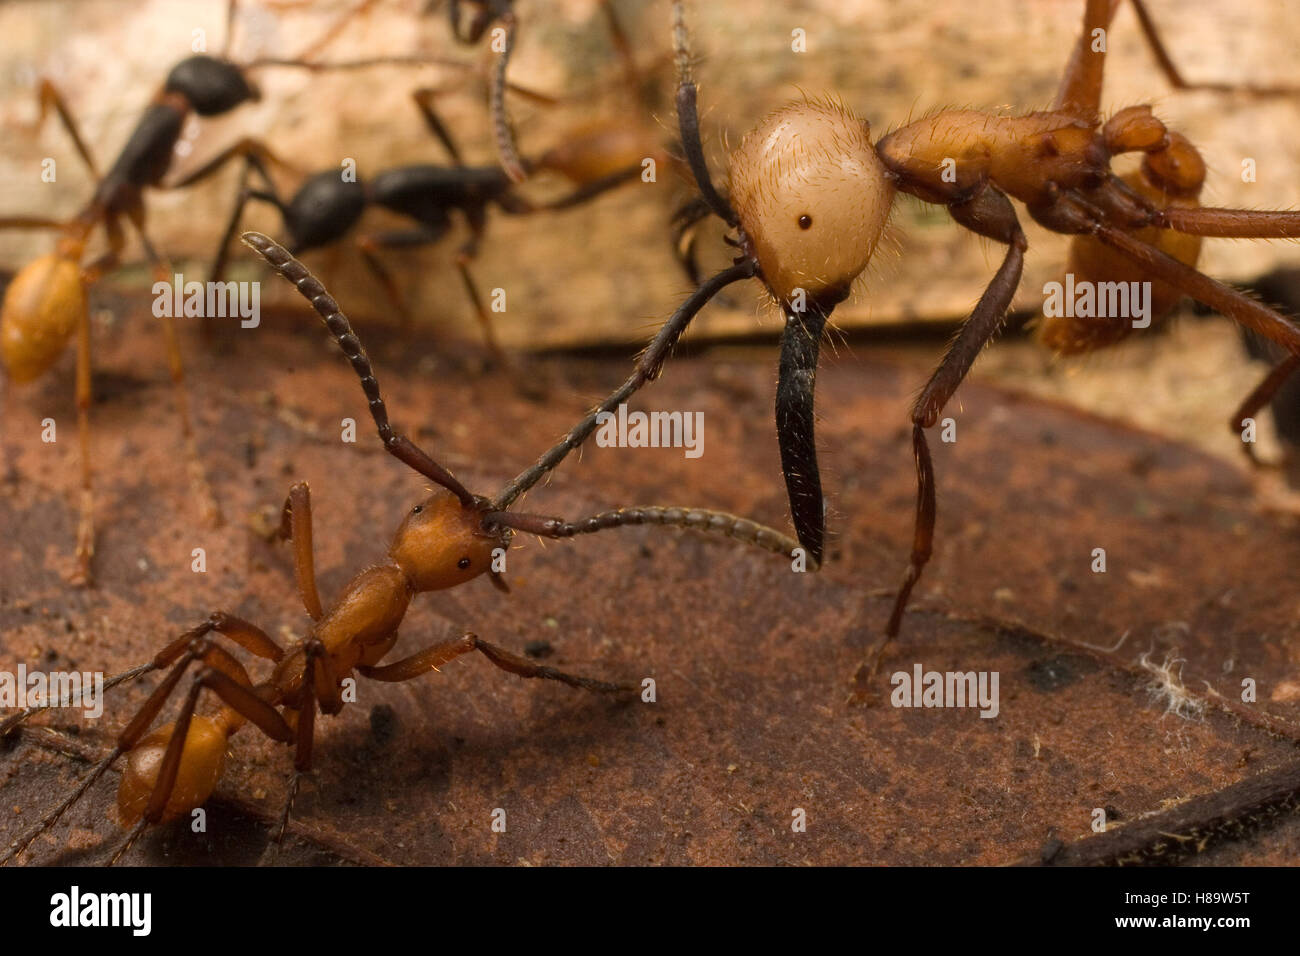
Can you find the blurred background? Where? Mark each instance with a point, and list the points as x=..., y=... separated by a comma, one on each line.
x=603, y=275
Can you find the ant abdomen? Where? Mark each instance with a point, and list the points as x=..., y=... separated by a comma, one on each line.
x=1169, y=177
x=202, y=759
x=42, y=307
x=812, y=196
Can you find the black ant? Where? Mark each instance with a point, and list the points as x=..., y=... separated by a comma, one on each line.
x=329, y=204
x=810, y=195
x=446, y=540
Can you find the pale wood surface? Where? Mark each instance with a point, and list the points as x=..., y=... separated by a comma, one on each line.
x=604, y=273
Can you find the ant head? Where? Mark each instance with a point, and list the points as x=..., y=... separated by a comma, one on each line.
x=1177, y=169
x=443, y=543
x=812, y=197
x=212, y=86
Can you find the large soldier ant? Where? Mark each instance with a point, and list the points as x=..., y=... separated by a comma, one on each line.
x=810, y=195
x=449, y=538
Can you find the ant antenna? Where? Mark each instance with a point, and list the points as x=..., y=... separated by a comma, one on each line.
x=695, y=519
x=505, y=135
x=647, y=369
x=688, y=120
x=399, y=446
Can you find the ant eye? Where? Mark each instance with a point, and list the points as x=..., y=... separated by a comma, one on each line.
x=805, y=221
x=417, y=509
x=463, y=563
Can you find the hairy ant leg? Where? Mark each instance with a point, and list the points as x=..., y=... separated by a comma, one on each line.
x=1262, y=394
x=152, y=782
x=432, y=658
x=988, y=214
x=209, y=511
x=296, y=527
x=49, y=98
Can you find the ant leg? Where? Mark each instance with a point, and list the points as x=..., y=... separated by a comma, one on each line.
x=431, y=658
x=31, y=222
x=253, y=151
x=623, y=47
x=1175, y=78
x=581, y=194
x=471, y=30
x=464, y=255
x=989, y=214
x=295, y=525
x=1230, y=223
x=245, y=193
x=231, y=6
x=1237, y=306
x=209, y=511
x=371, y=244
x=333, y=31
x=86, y=521
x=309, y=287
x=86, y=517
x=424, y=98
x=180, y=654
x=243, y=633
x=1080, y=90
x=318, y=688
x=238, y=695
x=1261, y=396
x=684, y=222
x=51, y=97
x=647, y=369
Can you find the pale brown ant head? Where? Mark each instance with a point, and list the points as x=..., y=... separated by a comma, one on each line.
x=812, y=197
x=443, y=543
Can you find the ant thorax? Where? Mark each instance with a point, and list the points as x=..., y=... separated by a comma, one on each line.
x=812, y=196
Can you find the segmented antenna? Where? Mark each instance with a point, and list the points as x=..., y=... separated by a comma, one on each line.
x=647, y=368
x=311, y=289
x=505, y=135
x=695, y=519
x=688, y=120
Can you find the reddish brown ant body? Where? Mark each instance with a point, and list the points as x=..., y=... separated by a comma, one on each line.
x=447, y=539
